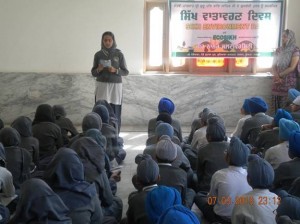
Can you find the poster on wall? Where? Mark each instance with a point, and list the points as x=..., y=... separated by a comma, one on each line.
x=225, y=29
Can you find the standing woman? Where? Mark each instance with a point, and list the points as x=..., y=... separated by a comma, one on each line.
x=108, y=68
x=284, y=67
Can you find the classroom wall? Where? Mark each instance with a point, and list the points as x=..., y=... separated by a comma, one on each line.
x=47, y=49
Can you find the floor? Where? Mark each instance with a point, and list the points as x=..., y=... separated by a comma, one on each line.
x=134, y=143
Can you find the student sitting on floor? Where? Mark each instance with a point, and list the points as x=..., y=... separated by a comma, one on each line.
x=39, y=204
x=226, y=185
x=248, y=207
x=159, y=199
x=279, y=153
x=67, y=127
x=147, y=177
x=167, y=106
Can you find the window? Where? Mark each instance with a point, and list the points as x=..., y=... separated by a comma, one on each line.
x=158, y=59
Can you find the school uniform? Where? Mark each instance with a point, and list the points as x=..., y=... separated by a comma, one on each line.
x=65, y=174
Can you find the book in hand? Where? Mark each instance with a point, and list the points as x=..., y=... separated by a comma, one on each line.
x=105, y=63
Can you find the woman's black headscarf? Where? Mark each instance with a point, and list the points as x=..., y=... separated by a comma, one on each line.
x=39, y=204
x=65, y=175
x=91, y=154
x=44, y=113
x=9, y=137
x=23, y=125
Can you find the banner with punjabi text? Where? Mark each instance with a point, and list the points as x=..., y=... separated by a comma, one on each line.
x=225, y=29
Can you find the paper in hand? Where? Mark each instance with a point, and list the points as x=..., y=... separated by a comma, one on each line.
x=105, y=63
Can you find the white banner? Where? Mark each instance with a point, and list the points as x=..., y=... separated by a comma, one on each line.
x=225, y=29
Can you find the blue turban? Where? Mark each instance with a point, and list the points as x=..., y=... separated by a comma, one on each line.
x=216, y=128
x=289, y=205
x=294, y=143
x=260, y=172
x=159, y=199
x=166, y=105
x=292, y=94
x=166, y=150
x=178, y=214
x=147, y=171
x=246, y=107
x=286, y=127
x=281, y=113
x=257, y=105
x=164, y=129
x=238, y=152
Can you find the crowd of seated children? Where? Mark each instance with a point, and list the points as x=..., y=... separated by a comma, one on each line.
x=83, y=170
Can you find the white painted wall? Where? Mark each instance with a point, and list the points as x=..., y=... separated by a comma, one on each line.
x=61, y=36
x=292, y=18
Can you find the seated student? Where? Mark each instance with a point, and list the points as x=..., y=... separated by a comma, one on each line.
x=90, y=120
x=196, y=124
x=18, y=160
x=67, y=127
x=47, y=132
x=248, y=207
x=178, y=214
x=65, y=175
x=39, y=204
x=211, y=156
x=114, y=147
x=292, y=94
x=252, y=125
x=7, y=188
x=245, y=112
x=295, y=109
x=172, y=176
x=166, y=129
x=288, y=171
x=163, y=118
x=93, y=158
x=165, y=105
x=269, y=135
x=24, y=126
x=147, y=173
x=288, y=210
x=199, y=137
x=279, y=153
x=226, y=185
x=113, y=120
x=159, y=199
x=113, y=176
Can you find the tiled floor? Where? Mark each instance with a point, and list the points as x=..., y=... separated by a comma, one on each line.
x=134, y=143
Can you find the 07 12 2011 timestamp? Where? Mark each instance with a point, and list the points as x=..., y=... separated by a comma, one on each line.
x=243, y=200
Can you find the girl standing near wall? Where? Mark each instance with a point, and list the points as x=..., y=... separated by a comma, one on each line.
x=109, y=66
